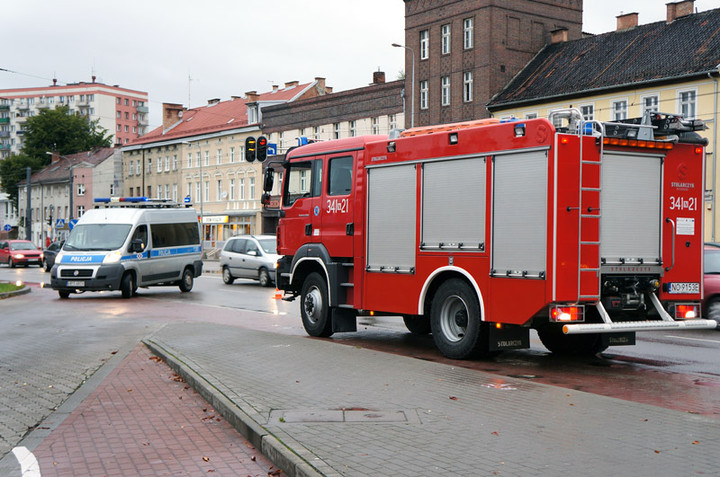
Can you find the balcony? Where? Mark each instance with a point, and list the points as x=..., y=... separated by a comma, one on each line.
x=143, y=109
x=4, y=107
x=4, y=120
x=4, y=133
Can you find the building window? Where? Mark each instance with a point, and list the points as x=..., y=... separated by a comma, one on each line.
x=445, y=90
x=197, y=159
x=118, y=115
x=189, y=160
x=80, y=190
x=197, y=191
x=241, y=194
x=424, y=94
x=468, y=33
x=232, y=189
x=353, y=128
x=218, y=156
x=687, y=104
x=619, y=110
x=588, y=112
x=219, y=189
x=424, y=44
x=175, y=162
x=650, y=103
x=149, y=165
x=167, y=191
x=118, y=100
x=80, y=211
x=175, y=193
x=131, y=169
x=206, y=186
x=530, y=115
x=336, y=131
x=374, y=126
x=167, y=163
x=467, y=87
x=207, y=158
x=232, y=155
x=252, y=188
x=159, y=164
x=138, y=169
x=392, y=121
x=445, y=39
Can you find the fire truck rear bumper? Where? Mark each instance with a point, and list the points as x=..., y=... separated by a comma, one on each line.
x=658, y=325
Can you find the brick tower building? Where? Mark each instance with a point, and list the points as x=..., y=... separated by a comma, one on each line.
x=465, y=51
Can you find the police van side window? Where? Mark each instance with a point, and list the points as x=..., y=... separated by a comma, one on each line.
x=140, y=234
x=174, y=235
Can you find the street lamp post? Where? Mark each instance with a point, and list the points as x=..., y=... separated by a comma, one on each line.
x=412, y=84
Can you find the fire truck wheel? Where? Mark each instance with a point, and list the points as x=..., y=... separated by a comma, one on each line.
x=187, y=281
x=228, y=279
x=557, y=342
x=455, y=321
x=314, y=306
x=417, y=325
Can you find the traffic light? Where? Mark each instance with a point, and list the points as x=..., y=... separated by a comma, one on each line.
x=250, y=149
x=261, y=154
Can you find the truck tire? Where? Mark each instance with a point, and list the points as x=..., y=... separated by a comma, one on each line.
x=264, y=278
x=228, y=279
x=314, y=307
x=417, y=324
x=557, y=342
x=455, y=321
x=713, y=311
x=187, y=281
x=127, y=285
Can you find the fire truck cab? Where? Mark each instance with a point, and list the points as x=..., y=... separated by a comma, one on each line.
x=478, y=232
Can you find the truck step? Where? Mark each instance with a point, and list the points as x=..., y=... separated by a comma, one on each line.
x=347, y=285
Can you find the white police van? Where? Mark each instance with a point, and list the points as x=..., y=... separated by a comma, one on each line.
x=126, y=243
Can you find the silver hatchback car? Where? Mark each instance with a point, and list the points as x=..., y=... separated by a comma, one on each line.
x=249, y=256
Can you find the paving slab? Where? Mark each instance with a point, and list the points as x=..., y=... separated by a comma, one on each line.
x=316, y=407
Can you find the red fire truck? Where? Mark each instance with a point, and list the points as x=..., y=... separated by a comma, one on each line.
x=477, y=232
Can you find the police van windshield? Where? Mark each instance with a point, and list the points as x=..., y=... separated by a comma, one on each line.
x=96, y=237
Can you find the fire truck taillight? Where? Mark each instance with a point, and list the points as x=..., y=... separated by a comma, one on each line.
x=687, y=311
x=698, y=150
x=614, y=141
x=564, y=314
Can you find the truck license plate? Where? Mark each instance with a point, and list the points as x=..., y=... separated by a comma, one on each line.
x=679, y=287
x=77, y=283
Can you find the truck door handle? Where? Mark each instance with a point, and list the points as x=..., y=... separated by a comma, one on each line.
x=672, y=265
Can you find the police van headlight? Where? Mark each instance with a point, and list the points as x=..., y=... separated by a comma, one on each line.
x=59, y=257
x=112, y=257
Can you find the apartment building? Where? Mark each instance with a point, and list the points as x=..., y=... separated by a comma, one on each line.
x=198, y=156
x=669, y=66
x=122, y=112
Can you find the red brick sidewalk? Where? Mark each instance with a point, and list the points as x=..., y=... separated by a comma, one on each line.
x=144, y=420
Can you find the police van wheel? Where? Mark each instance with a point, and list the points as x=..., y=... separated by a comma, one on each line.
x=314, y=306
x=187, y=280
x=64, y=294
x=127, y=285
x=455, y=321
x=228, y=279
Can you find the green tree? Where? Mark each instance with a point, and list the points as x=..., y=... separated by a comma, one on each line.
x=13, y=170
x=58, y=130
x=51, y=130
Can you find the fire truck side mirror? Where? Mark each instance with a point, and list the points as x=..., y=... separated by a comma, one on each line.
x=269, y=179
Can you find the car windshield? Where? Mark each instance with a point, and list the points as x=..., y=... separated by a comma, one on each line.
x=269, y=245
x=712, y=262
x=90, y=237
x=22, y=246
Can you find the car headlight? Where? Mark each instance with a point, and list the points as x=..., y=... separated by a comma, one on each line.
x=112, y=257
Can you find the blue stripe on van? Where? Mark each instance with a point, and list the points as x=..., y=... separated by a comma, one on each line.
x=82, y=259
x=170, y=251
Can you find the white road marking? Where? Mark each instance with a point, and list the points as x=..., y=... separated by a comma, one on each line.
x=693, y=339
x=29, y=466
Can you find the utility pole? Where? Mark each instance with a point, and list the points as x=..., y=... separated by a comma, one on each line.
x=28, y=209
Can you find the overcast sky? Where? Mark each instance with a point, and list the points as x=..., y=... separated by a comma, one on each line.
x=189, y=51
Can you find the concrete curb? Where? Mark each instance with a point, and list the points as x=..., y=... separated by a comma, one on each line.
x=279, y=453
x=25, y=289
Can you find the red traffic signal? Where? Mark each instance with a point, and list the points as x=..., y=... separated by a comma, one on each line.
x=261, y=153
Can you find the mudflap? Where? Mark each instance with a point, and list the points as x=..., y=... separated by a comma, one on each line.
x=626, y=338
x=508, y=337
x=344, y=320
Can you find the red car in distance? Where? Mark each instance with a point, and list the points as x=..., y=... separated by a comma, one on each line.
x=711, y=283
x=20, y=252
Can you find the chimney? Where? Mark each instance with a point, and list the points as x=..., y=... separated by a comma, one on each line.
x=679, y=9
x=93, y=78
x=378, y=77
x=291, y=84
x=626, y=21
x=172, y=113
x=320, y=84
x=235, y=97
x=54, y=81
x=275, y=88
x=559, y=36
x=252, y=96
x=55, y=157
